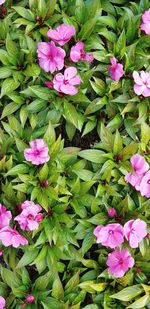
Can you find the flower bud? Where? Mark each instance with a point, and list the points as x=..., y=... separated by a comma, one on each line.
x=112, y=212
x=39, y=218
x=30, y=299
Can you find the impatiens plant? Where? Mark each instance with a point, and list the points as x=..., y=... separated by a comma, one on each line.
x=74, y=154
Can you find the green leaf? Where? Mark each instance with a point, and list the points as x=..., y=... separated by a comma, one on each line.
x=141, y=302
x=27, y=258
x=118, y=144
x=8, y=86
x=5, y=72
x=92, y=155
x=18, y=169
x=57, y=289
x=41, y=92
x=50, y=136
x=128, y=293
x=88, y=241
x=27, y=14
x=9, y=109
x=71, y=114
x=87, y=29
x=91, y=286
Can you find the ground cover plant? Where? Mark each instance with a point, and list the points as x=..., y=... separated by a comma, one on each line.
x=74, y=154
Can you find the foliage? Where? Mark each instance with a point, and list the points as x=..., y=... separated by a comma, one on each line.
x=62, y=266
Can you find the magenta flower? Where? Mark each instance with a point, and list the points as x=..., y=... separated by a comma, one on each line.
x=2, y=302
x=66, y=83
x=142, y=83
x=140, y=167
x=144, y=186
x=5, y=216
x=30, y=299
x=62, y=34
x=51, y=57
x=10, y=237
x=116, y=70
x=135, y=231
x=30, y=216
x=2, y=1
x=119, y=262
x=112, y=212
x=38, y=153
x=77, y=53
x=145, y=26
x=111, y=235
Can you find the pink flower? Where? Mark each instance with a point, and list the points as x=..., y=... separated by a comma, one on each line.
x=65, y=83
x=38, y=153
x=2, y=302
x=145, y=26
x=112, y=212
x=77, y=53
x=116, y=70
x=62, y=34
x=144, y=186
x=111, y=235
x=51, y=57
x=10, y=237
x=119, y=262
x=142, y=83
x=135, y=231
x=5, y=216
x=140, y=167
x=2, y=1
x=30, y=216
x=30, y=299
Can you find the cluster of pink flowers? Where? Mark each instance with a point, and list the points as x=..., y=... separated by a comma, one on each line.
x=112, y=236
x=140, y=177
x=9, y=236
x=30, y=216
x=51, y=59
x=28, y=220
x=142, y=80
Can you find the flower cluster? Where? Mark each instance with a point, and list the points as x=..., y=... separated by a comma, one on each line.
x=140, y=177
x=9, y=236
x=52, y=57
x=112, y=236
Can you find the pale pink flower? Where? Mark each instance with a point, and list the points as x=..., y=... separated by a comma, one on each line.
x=30, y=216
x=135, y=231
x=116, y=69
x=62, y=34
x=5, y=216
x=142, y=83
x=144, y=186
x=112, y=212
x=66, y=83
x=30, y=298
x=38, y=153
x=111, y=235
x=2, y=1
x=145, y=26
x=119, y=262
x=2, y=302
x=77, y=53
x=10, y=237
x=51, y=57
x=140, y=167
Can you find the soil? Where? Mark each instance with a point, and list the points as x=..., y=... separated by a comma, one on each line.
x=84, y=142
